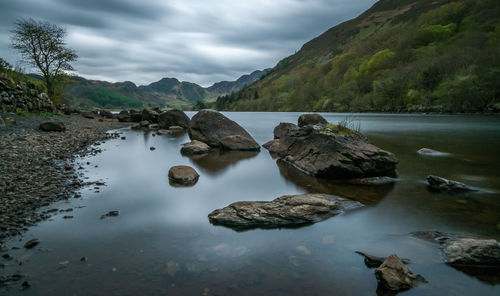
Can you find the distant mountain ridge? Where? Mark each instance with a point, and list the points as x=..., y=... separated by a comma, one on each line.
x=167, y=92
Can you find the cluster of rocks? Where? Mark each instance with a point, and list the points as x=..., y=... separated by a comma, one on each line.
x=38, y=166
x=22, y=96
x=319, y=150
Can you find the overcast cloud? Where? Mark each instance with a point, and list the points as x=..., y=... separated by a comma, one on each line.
x=201, y=41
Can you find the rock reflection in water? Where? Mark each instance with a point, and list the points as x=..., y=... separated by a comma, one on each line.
x=217, y=161
x=487, y=275
x=368, y=195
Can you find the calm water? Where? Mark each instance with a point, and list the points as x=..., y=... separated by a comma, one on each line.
x=162, y=242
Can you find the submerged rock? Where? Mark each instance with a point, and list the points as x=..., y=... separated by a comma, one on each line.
x=322, y=152
x=31, y=243
x=52, y=126
x=111, y=214
x=195, y=147
x=285, y=211
x=394, y=276
x=311, y=119
x=372, y=181
x=430, y=152
x=440, y=184
x=216, y=130
x=173, y=118
x=183, y=175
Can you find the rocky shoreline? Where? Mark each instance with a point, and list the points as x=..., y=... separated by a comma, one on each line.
x=37, y=168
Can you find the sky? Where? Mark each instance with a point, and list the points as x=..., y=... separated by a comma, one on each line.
x=201, y=41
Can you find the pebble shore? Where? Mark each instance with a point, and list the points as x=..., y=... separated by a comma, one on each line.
x=38, y=168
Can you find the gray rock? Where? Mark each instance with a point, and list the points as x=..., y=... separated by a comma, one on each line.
x=285, y=211
x=144, y=123
x=375, y=261
x=52, y=126
x=238, y=142
x=440, y=184
x=394, y=276
x=281, y=130
x=153, y=126
x=472, y=252
x=182, y=175
x=311, y=119
x=211, y=127
x=173, y=118
x=150, y=115
x=2, y=123
x=321, y=153
x=195, y=147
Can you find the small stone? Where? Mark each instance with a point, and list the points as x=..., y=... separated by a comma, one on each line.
x=182, y=175
x=32, y=243
x=111, y=214
x=83, y=259
x=152, y=148
x=394, y=276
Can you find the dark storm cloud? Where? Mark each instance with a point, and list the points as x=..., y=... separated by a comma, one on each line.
x=196, y=40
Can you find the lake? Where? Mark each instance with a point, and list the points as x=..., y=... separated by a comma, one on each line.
x=162, y=242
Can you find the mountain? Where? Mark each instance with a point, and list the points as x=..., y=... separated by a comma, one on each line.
x=167, y=92
x=227, y=87
x=398, y=56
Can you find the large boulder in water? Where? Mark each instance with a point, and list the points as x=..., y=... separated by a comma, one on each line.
x=322, y=151
x=311, y=119
x=173, y=118
x=216, y=130
x=285, y=211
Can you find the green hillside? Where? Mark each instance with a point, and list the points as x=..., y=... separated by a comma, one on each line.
x=426, y=55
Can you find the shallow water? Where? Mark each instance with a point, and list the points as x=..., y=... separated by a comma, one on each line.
x=163, y=243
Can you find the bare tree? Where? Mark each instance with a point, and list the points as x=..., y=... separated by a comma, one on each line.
x=42, y=45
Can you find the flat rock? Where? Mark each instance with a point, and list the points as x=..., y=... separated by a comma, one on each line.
x=285, y=211
x=311, y=119
x=52, y=126
x=440, y=184
x=394, y=276
x=176, y=129
x=173, y=118
x=183, y=175
x=211, y=127
x=195, y=147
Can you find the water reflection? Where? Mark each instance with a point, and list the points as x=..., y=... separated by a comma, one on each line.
x=490, y=276
x=368, y=195
x=217, y=161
